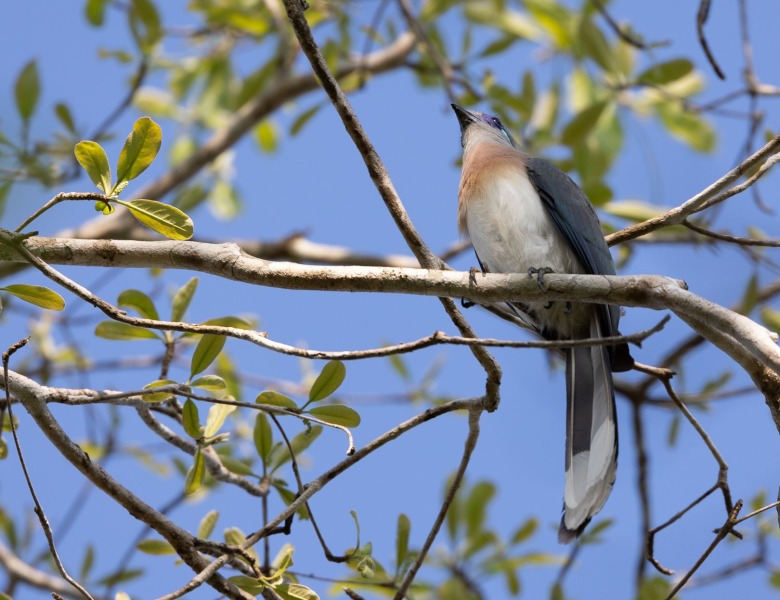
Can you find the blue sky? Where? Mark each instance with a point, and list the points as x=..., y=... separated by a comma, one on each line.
x=317, y=183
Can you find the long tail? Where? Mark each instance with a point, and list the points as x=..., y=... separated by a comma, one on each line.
x=591, y=435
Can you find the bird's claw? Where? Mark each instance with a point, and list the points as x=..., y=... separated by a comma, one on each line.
x=472, y=281
x=540, y=273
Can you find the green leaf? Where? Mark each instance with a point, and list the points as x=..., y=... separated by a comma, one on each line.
x=196, y=474
x=182, y=299
x=87, y=563
x=120, y=576
x=273, y=398
x=582, y=124
x=3, y=449
x=207, y=523
x=234, y=465
x=248, y=584
x=653, y=588
x=144, y=24
x=205, y=352
x=162, y=218
x=525, y=531
x=229, y=321
x=95, y=11
x=666, y=72
x=140, y=149
x=159, y=396
x=674, y=428
x=216, y=418
x=303, y=118
x=771, y=318
x=750, y=296
x=475, y=506
x=37, y=295
x=5, y=188
x=280, y=453
x=190, y=420
x=263, y=436
x=337, y=414
x=595, y=45
x=155, y=547
x=687, y=126
x=64, y=115
x=139, y=302
x=402, y=530
x=113, y=330
x=328, y=381
x=213, y=383
x=28, y=90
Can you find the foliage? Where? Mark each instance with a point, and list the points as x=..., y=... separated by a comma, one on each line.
x=584, y=83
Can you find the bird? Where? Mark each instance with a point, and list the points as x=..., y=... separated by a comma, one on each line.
x=525, y=215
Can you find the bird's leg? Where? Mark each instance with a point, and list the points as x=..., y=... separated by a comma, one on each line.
x=472, y=281
x=540, y=273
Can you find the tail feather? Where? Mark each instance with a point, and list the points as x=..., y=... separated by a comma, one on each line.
x=591, y=435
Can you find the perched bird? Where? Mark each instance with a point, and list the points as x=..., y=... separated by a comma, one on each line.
x=525, y=215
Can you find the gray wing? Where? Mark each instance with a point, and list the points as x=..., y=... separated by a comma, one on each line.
x=575, y=218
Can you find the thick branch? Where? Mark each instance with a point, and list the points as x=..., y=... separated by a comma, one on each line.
x=741, y=338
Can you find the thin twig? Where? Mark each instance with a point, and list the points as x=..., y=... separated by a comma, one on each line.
x=722, y=533
x=47, y=531
x=701, y=19
x=731, y=238
x=468, y=448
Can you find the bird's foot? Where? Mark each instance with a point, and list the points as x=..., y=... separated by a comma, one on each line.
x=540, y=273
x=472, y=281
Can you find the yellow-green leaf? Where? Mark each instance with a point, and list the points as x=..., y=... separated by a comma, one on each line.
x=266, y=136
x=37, y=295
x=182, y=299
x=140, y=302
x=216, y=418
x=295, y=591
x=156, y=547
x=687, y=126
x=196, y=474
x=205, y=352
x=114, y=330
x=214, y=383
x=207, y=523
x=92, y=157
x=162, y=218
x=274, y=398
x=328, y=381
x=158, y=396
x=337, y=414
x=666, y=72
x=140, y=149
x=28, y=90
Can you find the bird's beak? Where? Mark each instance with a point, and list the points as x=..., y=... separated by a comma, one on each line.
x=465, y=117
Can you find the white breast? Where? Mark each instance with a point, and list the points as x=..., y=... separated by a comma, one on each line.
x=511, y=230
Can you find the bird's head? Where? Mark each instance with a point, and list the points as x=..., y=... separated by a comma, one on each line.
x=476, y=126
